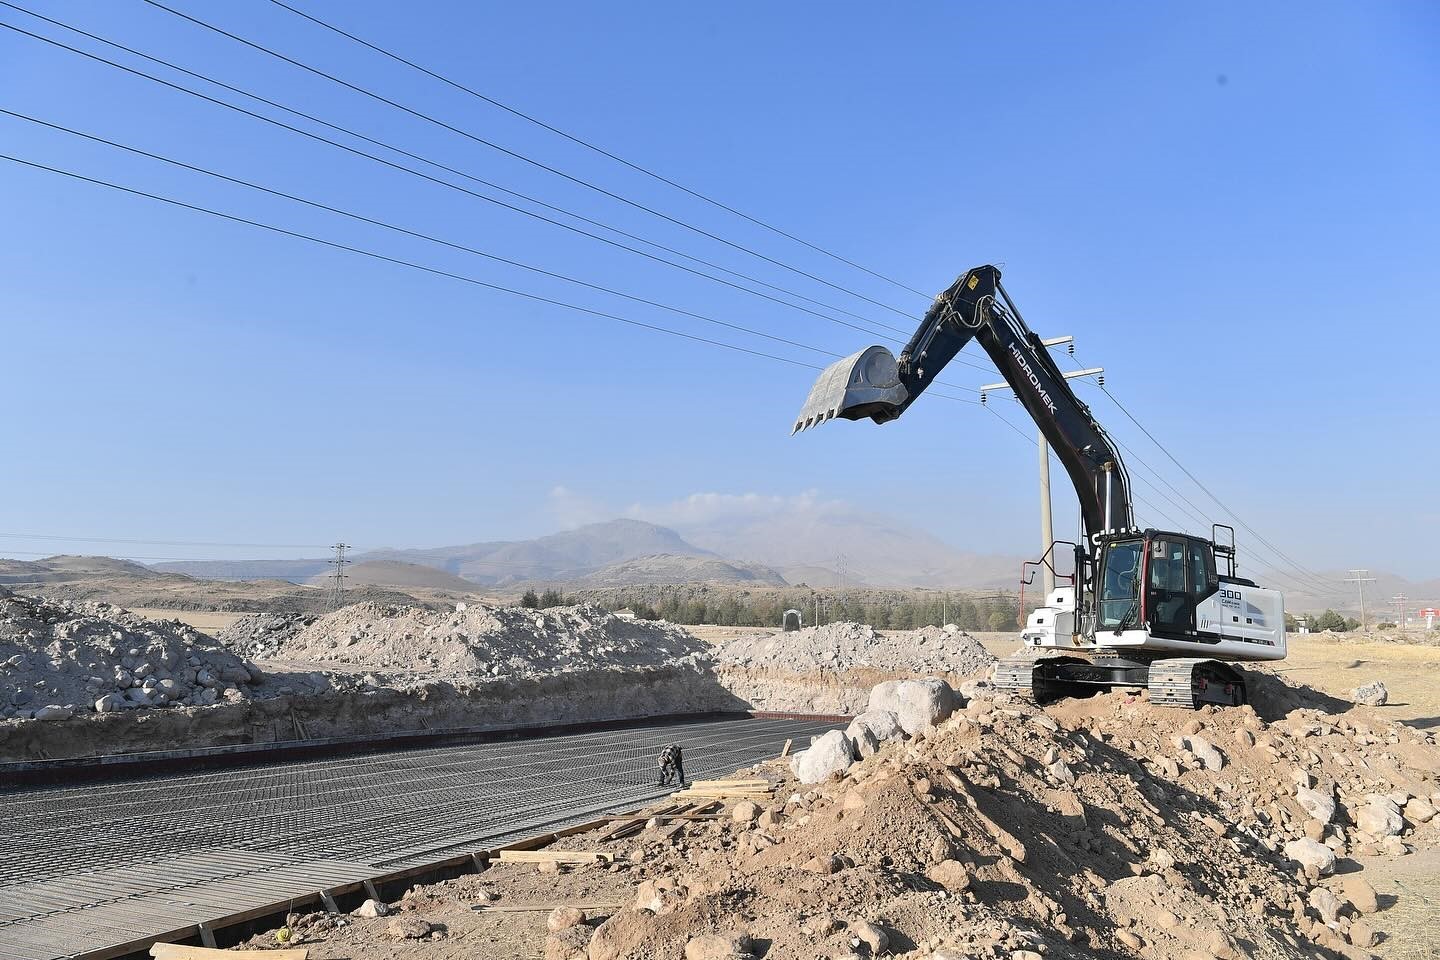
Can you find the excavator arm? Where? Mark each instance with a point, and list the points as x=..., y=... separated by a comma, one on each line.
x=874, y=383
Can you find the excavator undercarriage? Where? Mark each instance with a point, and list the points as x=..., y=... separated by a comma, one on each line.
x=1186, y=682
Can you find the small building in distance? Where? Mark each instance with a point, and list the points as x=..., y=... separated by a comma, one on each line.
x=793, y=620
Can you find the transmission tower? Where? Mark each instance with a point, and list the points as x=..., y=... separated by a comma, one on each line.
x=1359, y=578
x=337, y=580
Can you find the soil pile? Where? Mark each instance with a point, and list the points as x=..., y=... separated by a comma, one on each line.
x=830, y=669
x=58, y=659
x=261, y=636
x=1104, y=828
x=472, y=641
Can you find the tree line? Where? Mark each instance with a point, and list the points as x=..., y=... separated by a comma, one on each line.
x=982, y=613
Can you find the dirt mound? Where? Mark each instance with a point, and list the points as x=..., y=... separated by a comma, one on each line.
x=473, y=640
x=830, y=669
x=58, y=659
x=1102, y=828
x=261, y=636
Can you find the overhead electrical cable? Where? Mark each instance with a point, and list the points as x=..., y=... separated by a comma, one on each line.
x=593, y=147
x=419, y=266
x=580, y=181
x=412, y=233
x=441, y=166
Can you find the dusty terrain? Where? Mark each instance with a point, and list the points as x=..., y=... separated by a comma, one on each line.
x=1101, y=828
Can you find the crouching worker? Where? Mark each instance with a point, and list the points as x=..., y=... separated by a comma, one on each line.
x=672, y=765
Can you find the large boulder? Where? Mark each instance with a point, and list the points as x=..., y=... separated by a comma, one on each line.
x=1320, y=805
x=1380, y=817
x=1311, y=853
x=916, y=704
x=1370, y=694
x=828, y=753
x=871, y=729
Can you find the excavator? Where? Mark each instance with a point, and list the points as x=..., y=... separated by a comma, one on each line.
x=1144, y=608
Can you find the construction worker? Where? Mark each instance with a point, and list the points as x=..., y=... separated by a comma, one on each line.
x=672, y=765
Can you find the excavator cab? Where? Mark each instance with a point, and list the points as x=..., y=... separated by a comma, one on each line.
x=864, y=384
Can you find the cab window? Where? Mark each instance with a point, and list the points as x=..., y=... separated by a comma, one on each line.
x=1120, y=585
x=1202, y=569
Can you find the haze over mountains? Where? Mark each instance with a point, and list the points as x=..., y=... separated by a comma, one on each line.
x=770, y=551
x=813, y=546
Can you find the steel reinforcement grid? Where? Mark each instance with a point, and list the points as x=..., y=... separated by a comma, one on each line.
x=60, y=847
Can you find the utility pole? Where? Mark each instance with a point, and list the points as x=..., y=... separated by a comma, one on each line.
x=1359, y=577
x=1047, y=529
x=1399, y=601
x=337, y=581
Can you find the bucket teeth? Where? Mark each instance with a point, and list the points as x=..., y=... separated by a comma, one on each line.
x=860, y=385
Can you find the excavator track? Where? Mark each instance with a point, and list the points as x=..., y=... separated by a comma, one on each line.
x=1192, y=682
x=1015, y=676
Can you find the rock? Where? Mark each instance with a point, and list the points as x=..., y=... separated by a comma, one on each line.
x=1361, y=934
x=1380, y=817
x=714, y=946
x=1206, y=752
x=371, y=909
x=54, y=712
x=1326, y=904
x=1061, y=772
x=109, y=703
x=862, y=741
x=1360, y=893
x=828, y=753
x=744, y=812
x=1320, y=806
x=1129, y=939
x=658, y=896
x=1310, y=853
x=1419, y=810
x=1371, y=694
x=562, y=918
x=824, y=865
x=547, y=866
x=853, y=802
x=871, y=935
x=950, y=874
x=567, y=944
x=917, y=704
x=408, y=927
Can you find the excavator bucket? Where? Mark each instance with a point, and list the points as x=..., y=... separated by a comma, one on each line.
x=864, y=384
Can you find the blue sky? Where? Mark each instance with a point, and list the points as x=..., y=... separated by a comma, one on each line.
x=1233, y=207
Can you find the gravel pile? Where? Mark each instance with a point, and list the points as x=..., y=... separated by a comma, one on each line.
x=850, y=646
x=472, y=641
x=59, y=659
x=261, y=636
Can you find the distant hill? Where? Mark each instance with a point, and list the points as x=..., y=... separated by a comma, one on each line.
x=393, y=573
x=65, y=568
x=671, y=569
x=557, y=558
x=805, y=544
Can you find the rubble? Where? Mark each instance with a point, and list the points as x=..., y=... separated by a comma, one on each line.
x=61, y=659
x=831, y=669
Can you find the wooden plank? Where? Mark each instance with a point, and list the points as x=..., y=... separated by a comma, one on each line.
x=785, y=751
x=555, y=856
x=544, y=907
x=177, y=951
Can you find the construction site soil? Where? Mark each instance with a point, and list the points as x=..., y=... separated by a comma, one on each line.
x=1102, y=828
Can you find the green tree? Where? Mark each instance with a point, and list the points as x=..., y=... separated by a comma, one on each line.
x=530, y=600
x=551, y=598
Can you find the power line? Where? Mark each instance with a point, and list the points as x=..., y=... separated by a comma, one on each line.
x=1251, y=530
x=412, y=233
x=161, y=543
x=418, y=266
x=591, y=146
x=420, y=114
x=436, y=180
